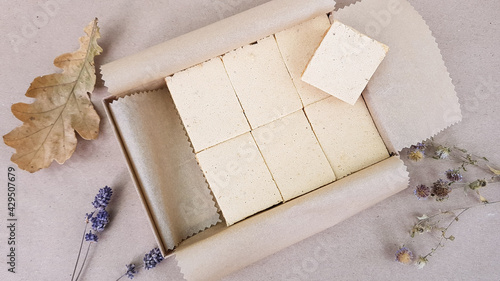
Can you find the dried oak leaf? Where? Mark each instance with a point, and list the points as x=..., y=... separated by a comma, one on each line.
x=62, y=105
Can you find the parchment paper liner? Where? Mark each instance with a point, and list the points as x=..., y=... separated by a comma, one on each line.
x=144, y=70
x=410, y=96
x=147, y=70
x=155, y=141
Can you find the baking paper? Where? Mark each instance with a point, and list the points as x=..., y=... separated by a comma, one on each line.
x=220, y=251
x=410, y=96
x=148, y=69
x=403, y=115
x=168, y=176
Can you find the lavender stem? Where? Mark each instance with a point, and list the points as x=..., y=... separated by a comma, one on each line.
x=79, y=252
x=83, y=263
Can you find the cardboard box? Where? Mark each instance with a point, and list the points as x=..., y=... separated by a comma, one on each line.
x=410, y=98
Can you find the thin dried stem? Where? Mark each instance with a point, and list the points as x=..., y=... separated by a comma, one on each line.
x=79, y=252
x=455, y=219
x=84, y=260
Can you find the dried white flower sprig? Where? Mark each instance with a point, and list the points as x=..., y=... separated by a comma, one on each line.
x=429, y=224
x=454, y=177
x=440, y=189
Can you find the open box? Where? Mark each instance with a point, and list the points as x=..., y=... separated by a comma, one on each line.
x=410, y=98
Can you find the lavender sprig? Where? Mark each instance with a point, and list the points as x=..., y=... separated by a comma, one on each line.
x=130, y=271
x=102, y=198
x=151, y=260
x=98, y=218
x=100, y=221
x=91, y=237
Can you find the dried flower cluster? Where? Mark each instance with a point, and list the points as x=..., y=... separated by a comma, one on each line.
x=417, y=152
x=404, y=255
x=440, y=190
x=422, y=191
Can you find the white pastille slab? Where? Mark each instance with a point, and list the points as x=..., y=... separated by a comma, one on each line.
x=347, y=135
x=297, y=45
x=262, y=82
x=207, y=104
x=239, y=178
x=344, y=62
x=293, y=155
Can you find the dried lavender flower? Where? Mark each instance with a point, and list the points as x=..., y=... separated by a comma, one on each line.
x=152, y=258
x=91, y=236
x=404, y=255
x=100, y=221
x=441, y=189
x=102, y=198
x=130, y=271
x=422, y=191
x=442, y=152
x=88, y=216
x=453, y=175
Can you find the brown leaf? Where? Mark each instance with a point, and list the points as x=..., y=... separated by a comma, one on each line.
x=62, y=105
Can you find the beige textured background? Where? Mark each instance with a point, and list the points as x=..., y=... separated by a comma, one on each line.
x=51, y=203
